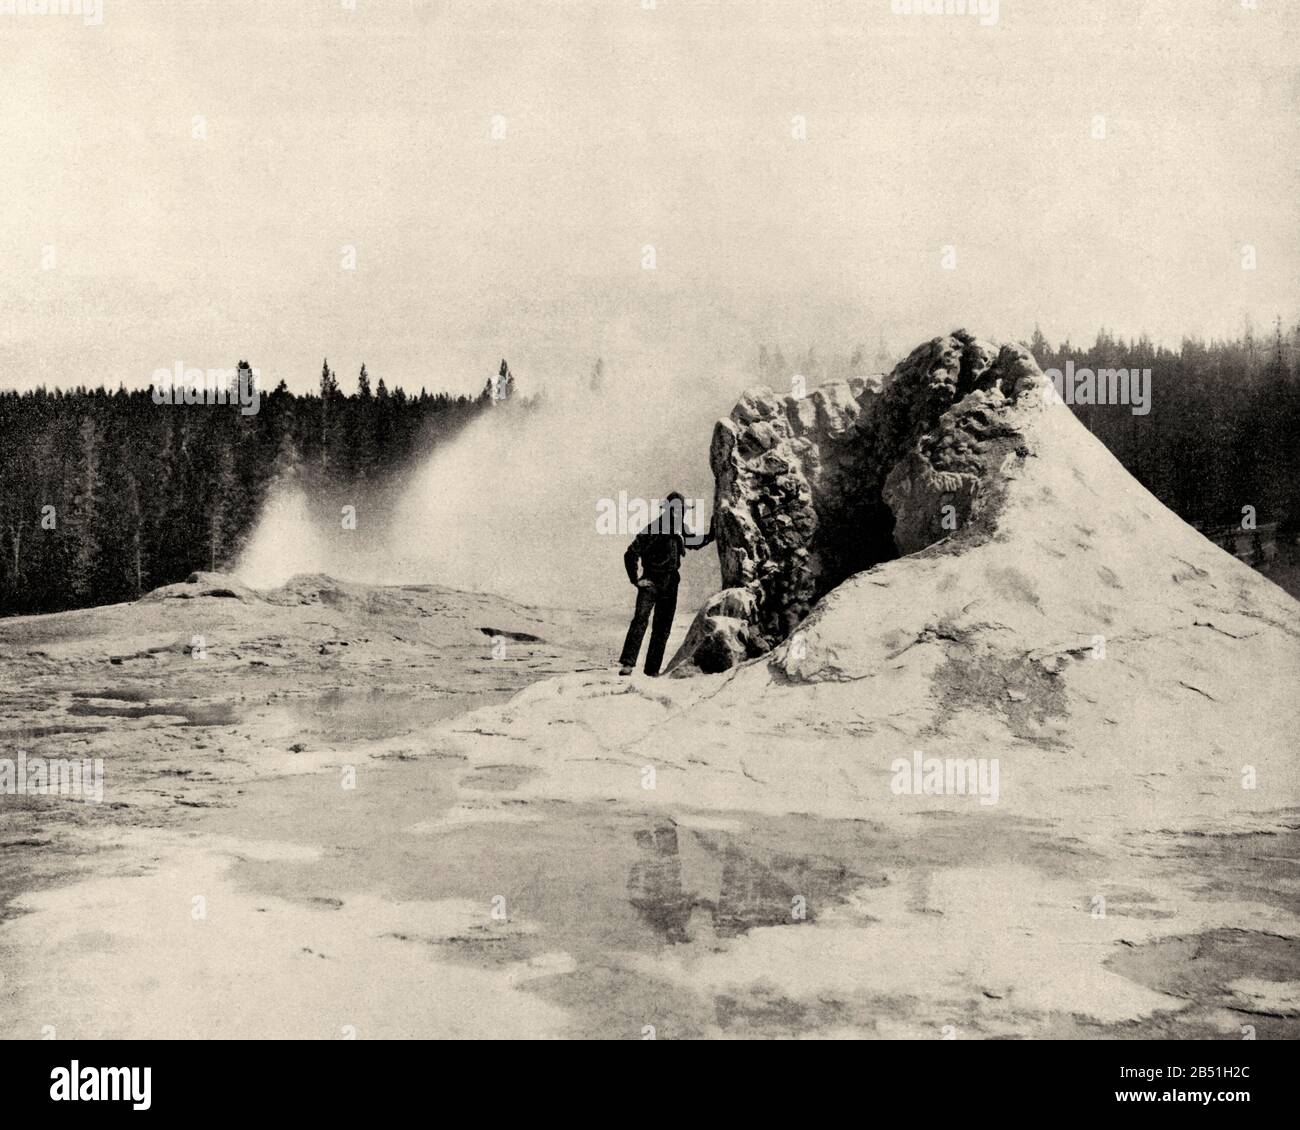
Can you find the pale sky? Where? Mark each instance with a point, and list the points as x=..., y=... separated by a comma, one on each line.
x=127, y=242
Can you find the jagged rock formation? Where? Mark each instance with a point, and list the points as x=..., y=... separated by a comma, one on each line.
x=811, y=490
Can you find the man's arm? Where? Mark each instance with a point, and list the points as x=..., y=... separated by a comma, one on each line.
x=692, y=542
x=632, y=558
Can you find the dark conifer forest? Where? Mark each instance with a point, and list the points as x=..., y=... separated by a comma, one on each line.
x=1223, y=432
x=106, y=495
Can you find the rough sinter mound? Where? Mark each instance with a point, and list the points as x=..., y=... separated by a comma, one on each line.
x=811, y=490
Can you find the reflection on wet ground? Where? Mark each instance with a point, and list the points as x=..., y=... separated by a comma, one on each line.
x=596, y=882
x=749, y=890
x=29, y=733
x=118, y=694
x=592, y=879
x=1183, y=966
x=374, y=714
x=339, y=715
x=193, y=713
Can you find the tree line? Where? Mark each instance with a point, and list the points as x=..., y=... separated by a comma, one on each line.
x=106, y=495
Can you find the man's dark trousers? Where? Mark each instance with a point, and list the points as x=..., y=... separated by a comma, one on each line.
x=659, y=597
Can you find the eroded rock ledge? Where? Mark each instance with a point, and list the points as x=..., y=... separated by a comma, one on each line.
x=810, y=490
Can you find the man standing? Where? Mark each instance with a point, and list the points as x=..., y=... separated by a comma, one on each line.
x=659, y=549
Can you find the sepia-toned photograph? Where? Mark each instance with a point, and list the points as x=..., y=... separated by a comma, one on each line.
x=649, y=520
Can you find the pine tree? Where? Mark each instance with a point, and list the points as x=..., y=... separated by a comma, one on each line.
x=84, y=512
x=499, y=388
x=222, y=509
x=329, y=412
x=1039, y=347
x=1257, y=557
x=882, y=354
x=360, y=438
